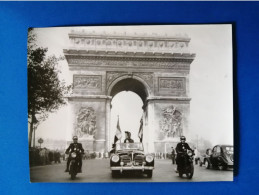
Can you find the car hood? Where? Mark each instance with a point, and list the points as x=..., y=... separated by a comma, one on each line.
x=130, y=152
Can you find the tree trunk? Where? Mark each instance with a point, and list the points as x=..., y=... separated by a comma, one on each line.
x=31, y=131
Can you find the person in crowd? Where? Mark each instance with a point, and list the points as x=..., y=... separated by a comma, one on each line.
x=128, y=137
x=72, y=147
x=173, y=155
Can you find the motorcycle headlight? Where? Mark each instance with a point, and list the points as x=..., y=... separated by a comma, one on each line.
x=149, y=158
x=115, y=158
x=73, y=154
x=189, y=153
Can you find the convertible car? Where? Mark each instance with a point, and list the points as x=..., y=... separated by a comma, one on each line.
x=131, y=157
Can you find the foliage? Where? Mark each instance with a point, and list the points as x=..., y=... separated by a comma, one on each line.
x=45, y=91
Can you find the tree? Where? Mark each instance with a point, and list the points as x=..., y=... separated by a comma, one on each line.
x=45, y=90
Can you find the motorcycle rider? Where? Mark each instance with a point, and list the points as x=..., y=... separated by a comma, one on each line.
x=71, y=147
x=181, y=149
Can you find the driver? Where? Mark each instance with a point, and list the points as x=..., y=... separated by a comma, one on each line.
x=181, y=148
x=71, y=148
x=128, y=137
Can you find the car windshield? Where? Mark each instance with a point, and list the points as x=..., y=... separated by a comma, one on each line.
x=129, y=146
x=228, y=149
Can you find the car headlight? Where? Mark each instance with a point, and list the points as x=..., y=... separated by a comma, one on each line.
x=73, y=154
x=149, y=158
x=115, y=158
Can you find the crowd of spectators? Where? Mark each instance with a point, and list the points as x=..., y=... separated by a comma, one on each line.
x=44, y=156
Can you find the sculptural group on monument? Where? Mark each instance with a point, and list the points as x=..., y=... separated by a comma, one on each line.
x=171, y=123
x=86, y=122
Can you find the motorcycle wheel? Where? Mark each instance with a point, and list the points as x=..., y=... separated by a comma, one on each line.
x=190, y=174
x=72, y=171
x=207, y=164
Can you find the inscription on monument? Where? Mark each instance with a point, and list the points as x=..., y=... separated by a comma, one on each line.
x=171, y=122
x=176, y=84
x=87, y=82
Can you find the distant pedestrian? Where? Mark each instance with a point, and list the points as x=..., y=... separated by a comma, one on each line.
x=173, y=155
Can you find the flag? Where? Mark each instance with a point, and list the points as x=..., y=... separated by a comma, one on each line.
x=140, y=133
x=118, y=132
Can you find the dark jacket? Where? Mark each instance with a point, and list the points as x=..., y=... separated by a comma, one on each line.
x=128, y=140
x=72, y=146
x=182, y=147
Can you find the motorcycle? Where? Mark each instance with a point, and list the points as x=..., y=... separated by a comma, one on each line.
x=186, y=164
x=75, y=156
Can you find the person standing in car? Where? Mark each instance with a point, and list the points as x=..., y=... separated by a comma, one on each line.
x=128, y=137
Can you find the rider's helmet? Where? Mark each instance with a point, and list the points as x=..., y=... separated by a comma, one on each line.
x=182, y=138
x=75, y=137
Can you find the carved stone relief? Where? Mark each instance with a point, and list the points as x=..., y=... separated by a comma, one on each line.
x=171, y=122
x=155, y=64
x=111, y=76
x=148, y=77
x=176, y=84
x=86, y=122
x=87, y=82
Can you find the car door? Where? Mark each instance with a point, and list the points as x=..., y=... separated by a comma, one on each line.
x=214, y=155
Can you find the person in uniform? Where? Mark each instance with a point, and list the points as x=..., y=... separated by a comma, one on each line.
x=72, y=147
x=128, y=137
x=173, y=155
x=181, y=149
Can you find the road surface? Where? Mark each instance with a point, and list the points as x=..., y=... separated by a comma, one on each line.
x=98, y=170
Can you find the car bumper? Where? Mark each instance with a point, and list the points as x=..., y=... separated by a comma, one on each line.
x=131, y=168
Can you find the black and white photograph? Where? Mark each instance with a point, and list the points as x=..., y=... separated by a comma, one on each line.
x=147, y=103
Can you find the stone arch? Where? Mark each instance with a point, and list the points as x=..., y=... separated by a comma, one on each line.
x=130, y=83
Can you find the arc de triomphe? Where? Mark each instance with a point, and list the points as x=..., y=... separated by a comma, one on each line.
x=154, y=67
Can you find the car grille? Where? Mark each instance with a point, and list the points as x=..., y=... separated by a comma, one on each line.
x=125, y=159
x=139, y=160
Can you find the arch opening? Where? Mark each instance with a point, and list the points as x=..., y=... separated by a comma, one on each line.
x=130, y=84
x=128, y=106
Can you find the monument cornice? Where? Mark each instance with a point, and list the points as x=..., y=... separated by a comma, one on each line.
x=170, y=98
x=80, y=96
x=126, y=42
x=124, y=36
x=126, y=54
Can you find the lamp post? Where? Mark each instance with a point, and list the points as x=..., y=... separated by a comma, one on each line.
x=40, y=141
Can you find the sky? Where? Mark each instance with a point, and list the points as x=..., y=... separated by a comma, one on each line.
x=211, y=107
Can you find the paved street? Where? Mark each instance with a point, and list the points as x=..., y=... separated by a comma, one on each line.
x=99, y=171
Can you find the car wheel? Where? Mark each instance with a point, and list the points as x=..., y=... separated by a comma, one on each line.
x=207, y=164
x=115, y=174
x=222, y=167
x=149, y=173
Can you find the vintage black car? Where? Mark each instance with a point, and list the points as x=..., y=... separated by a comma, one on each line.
x=129, y=157
x=221, y=157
